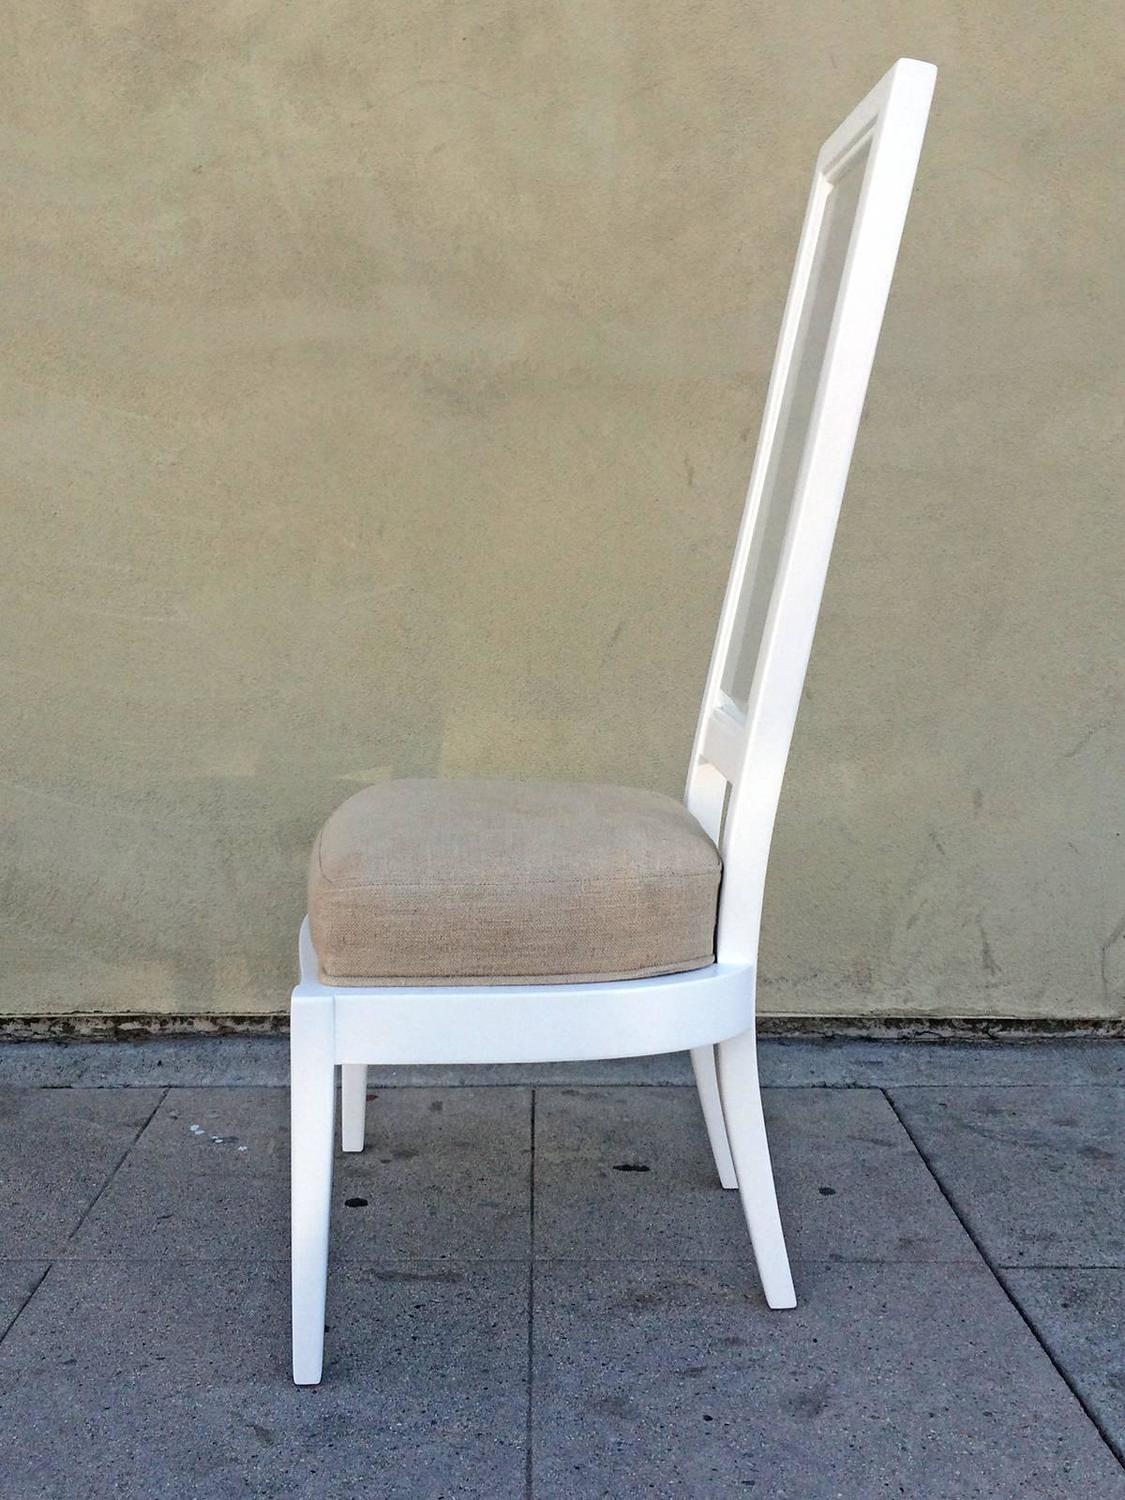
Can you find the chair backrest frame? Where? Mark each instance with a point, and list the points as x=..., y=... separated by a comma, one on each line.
x=740, y=751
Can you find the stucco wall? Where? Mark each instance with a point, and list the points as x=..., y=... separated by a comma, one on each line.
x=380, y=385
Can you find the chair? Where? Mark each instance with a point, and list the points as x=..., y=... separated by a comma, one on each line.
x=492, y=922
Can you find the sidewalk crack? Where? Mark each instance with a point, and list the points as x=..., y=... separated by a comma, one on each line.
x=113, y=1171
x=39, y=1280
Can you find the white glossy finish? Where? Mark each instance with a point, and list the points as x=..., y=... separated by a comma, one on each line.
x=353, y=1102
x=705, y=1067
x=746, y=1130
x=312, y=1104
x=530, y=1023
x=860, y=192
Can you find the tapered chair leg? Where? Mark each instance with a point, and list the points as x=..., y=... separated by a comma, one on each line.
x=707, y=1082
x=746, y=1129
x=353, y=1105
x=312, y=1091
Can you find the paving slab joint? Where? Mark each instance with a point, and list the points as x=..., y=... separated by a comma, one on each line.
x=1001, y=1280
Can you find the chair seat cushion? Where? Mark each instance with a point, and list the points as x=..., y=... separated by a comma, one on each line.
x=502, y=882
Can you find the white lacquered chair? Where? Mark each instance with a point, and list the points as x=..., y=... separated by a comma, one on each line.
x=494, y=922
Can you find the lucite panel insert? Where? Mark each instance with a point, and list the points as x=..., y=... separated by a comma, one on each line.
x=792, y=429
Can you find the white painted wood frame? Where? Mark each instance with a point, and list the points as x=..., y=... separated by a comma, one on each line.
x=845, y=261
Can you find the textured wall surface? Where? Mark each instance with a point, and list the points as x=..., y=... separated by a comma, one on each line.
x=380, y=384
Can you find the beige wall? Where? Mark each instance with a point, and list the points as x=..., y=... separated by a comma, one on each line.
x=380, y=383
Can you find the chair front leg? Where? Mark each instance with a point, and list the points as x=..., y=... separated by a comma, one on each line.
x=746, y=1128
x=707, y=1082
x=312, y=1101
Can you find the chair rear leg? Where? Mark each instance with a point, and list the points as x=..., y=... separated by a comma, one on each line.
x=353, y=1105
x=707, y=1082
x=312, y=1099
x=746, y=1128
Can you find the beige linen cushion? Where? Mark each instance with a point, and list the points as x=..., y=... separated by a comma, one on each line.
x=477, y=882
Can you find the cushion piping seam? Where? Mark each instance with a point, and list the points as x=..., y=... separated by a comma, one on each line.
x=500, y=885
x=508, y=979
